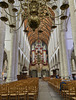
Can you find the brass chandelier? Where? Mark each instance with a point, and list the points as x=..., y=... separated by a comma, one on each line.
x=33, y=10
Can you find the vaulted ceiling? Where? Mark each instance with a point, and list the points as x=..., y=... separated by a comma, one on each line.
x=45, y=27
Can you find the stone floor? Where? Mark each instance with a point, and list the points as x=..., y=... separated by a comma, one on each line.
x=47, y=93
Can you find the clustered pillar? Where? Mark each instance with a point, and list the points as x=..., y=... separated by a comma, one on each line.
x=2, y=36
x=73, y=22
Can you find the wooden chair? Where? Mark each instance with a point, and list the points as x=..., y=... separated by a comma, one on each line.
x=22, y=92
x=32, y=93
x=71, y=91
x=13, y=93
x=4, y=92
x=64, y=90
x=74, y=98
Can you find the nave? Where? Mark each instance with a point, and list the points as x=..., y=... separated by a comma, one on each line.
x=38, y=44
x=46, y=92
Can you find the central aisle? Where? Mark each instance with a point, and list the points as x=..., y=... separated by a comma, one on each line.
x=46, y=92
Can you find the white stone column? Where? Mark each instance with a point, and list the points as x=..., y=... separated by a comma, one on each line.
x=61, y=56
x=16, y=57
x=73, y=64
x=21, y=67
x=53, y=42
x=13, y=52
x=33, y=56
x=64, y=52
x=73, y=22
x=59, y=69
x=61, y=47
x=2, y=36
x=44, y=53
x=11, y=60
x=18, y=68
x=51, y=72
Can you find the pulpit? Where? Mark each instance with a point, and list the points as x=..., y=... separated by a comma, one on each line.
x=23, y=74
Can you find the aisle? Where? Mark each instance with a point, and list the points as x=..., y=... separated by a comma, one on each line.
x=47, y=93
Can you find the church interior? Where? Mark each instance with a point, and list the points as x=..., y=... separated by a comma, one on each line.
x=37, y=49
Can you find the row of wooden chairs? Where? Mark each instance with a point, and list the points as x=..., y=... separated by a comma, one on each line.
x=46, y=78
x=20, y=90
x=68, y=90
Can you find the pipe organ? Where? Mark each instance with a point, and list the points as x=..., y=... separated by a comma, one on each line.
x=38, y=53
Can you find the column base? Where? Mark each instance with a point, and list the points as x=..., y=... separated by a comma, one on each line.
x=9, y=80
x=16, y=79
